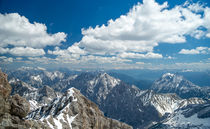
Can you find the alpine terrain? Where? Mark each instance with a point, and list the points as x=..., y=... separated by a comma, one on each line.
x=118, y=100
x=71, y=110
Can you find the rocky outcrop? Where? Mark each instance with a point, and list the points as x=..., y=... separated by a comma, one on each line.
x=5, y=88
x=12, y=108
x=19, y=106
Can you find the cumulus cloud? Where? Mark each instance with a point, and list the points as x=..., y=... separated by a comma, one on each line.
x=198, y=50
x=16, y=30
x=22, y=51
x=145, y=26
x=135, y=34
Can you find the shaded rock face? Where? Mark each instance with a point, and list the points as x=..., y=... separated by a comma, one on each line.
x=46, y=94
x=124, y=103
x=5, y=88
x=92, y=117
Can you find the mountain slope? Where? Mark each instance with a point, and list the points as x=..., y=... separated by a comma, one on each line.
x=73, y=110
x=140, y=108
x=190, y=117
x=173, y=83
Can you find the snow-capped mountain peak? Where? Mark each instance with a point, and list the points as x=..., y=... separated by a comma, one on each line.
x=168, y=75
x=102, y=84
x=105, y=79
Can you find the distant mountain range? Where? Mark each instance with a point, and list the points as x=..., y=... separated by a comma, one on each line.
x=118, y=100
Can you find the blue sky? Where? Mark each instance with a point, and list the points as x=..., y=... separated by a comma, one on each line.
x=105, y=34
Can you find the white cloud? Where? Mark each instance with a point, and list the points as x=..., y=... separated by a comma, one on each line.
x=169, y=57
x=196, y=7
x=3, y=50
x=74, y=49
x=135, y=34
x=140, y=63
x=140, y=56
x=43, y=60
x=16, y=30
x=207, y=20
x=144, y=27
x=198, y=50
x=58, y=51
x=22, y=51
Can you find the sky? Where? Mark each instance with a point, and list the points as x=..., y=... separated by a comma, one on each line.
x=105, y=34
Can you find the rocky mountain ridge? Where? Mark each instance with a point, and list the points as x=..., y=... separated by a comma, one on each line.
x=173, y=83
x=73, y=110
x=36, y=96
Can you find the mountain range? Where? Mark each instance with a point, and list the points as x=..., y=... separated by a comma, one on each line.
x=71, y=110
x=118, y=100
